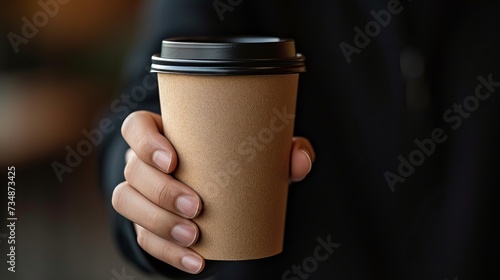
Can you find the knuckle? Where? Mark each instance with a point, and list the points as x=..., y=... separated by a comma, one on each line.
x=141, y=237
x=162, y=195
x=126, y=123
x=130, y=167
x=132, y=118
x=165, y=192
x=117, y=197
x=154, y=221
x=168, y=255
x=145, y=145
x=129, y=154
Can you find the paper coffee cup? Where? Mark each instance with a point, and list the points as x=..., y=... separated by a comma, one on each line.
x=228, y=108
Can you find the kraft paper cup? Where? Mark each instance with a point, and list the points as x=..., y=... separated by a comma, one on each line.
x=228, y=108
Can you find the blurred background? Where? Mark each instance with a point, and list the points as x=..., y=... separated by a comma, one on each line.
x=60, y=69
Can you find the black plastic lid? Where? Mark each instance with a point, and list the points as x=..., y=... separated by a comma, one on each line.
x=245, y=55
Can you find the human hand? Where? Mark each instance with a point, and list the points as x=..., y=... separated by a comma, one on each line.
x=161, y=207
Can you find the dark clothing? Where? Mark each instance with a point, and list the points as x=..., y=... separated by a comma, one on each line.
x=392, y=107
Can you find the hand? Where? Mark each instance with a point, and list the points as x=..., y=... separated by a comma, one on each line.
x=162, y=207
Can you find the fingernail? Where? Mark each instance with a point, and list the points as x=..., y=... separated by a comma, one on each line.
x=188, y=205
x=162, y=159
x=191, y=263
x=184, y=234
x=309, y=159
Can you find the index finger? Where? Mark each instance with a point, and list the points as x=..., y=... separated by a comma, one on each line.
x=143, y=132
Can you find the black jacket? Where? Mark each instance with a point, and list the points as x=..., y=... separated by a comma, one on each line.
x=400, y=101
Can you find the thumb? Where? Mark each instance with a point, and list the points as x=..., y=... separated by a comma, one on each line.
x=301, y=158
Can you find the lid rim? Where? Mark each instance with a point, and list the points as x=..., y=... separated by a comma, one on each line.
x=299, y=58
x=229, y=55
x=225, y=71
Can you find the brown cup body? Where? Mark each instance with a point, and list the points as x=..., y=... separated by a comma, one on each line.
x=233, y=136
